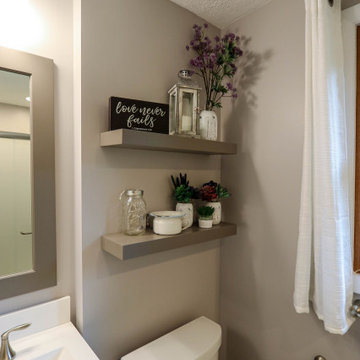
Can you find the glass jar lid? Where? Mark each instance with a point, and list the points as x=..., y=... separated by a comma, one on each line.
x=134, y=192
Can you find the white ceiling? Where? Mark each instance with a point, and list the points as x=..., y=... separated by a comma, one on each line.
x=221, y=13
x=14, y=88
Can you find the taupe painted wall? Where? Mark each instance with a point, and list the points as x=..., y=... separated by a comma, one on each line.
x=257, y=266
x=56, y=43
x=134, y=48
x=347, y=3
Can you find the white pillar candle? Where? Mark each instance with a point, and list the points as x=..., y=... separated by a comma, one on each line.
x=186, y=123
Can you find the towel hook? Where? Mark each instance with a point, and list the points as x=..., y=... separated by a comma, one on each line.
x=319, y=357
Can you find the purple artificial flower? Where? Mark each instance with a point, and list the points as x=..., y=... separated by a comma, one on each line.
x=207, y=40
x=194, y=63
x=238, y=51
x=200, y=61
x=197, y=35
x=215, y=63
x=211, y=60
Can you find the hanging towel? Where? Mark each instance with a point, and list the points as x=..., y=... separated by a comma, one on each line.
x=324, y=256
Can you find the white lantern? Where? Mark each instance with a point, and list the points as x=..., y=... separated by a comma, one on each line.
x=184, y=106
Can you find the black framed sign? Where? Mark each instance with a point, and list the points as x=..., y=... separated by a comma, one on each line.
x=138, y=115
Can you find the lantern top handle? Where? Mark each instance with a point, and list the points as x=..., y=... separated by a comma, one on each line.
x=185, y=74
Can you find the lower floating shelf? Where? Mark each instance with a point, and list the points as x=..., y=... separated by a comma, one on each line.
x=127, y=247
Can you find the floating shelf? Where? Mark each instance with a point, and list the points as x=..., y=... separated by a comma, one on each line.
x=127, y=247
x=131, y=139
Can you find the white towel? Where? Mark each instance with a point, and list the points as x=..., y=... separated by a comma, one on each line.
x=324, y=258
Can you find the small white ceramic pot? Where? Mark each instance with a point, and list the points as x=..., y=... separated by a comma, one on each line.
x=217, y=213
x=208, y=125
x=205, y=223
x=167, y=222
x=188, y=210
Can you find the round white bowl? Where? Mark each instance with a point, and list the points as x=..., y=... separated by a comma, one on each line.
x=167, y=222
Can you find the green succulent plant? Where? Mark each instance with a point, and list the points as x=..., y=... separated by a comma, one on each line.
x=222, y=192
x=183, y=194
x=205, y=212
x=180, y=180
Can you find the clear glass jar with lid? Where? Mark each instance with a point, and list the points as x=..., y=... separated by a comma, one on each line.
x=133, y=212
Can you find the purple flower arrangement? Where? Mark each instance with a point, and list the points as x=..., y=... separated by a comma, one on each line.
x=214, y=62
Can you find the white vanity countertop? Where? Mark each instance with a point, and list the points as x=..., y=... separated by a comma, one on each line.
x=42, y=317
x=51, y=335
x=62, y=342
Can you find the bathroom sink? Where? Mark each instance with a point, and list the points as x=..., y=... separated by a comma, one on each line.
x=59, y=354
x=51, y=335
x=62, y=342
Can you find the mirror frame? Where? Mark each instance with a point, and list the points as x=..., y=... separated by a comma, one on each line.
x=42, y=137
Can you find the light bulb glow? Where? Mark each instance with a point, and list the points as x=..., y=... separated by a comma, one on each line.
x=20, y=25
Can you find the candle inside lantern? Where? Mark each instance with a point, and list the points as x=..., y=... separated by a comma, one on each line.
x=186, y=110
x=186, y=123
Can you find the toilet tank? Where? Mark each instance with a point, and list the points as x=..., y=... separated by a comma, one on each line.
x=197, y=340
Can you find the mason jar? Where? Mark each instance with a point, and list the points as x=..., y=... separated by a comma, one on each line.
x=133, y=212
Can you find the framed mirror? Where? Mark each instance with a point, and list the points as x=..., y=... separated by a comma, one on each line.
x=27, y=173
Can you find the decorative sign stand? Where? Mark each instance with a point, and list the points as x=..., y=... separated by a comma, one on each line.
x=138, y=115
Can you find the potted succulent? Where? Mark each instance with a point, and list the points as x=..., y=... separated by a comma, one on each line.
x=215, y=62
x=212, y=193
x=205, y=216
x=183, y=194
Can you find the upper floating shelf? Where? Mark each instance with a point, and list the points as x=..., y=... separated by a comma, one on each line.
x=131, y=139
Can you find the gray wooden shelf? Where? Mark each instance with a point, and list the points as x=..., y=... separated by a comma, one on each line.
x=127, y=247
x=131, y=139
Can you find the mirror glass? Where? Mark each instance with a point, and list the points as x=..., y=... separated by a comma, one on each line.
x=16, y=240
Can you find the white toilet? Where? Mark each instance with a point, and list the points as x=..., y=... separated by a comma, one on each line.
x=197, y=340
